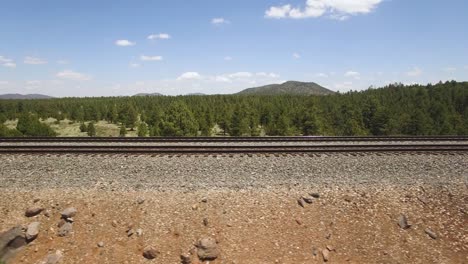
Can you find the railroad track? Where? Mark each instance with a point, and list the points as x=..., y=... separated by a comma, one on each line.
x=232, y=149
x=227, y=139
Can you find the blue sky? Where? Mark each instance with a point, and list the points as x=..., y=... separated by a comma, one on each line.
x=94, y=48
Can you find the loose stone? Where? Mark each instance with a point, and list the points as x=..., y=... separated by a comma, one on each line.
x=403, y=222
x=33, y=211
x=32, y=231
x=68, y=213
x=150, y=253
x=431, y=233
x=207, y=249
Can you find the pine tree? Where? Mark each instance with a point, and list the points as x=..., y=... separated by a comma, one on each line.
x=123, y=131
x=83, y=128
x=142, y=130
x=91, y=129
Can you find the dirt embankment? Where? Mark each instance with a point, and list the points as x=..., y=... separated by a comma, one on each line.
x=257, y=210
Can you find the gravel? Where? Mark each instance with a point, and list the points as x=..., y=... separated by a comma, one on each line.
x=228, y=143
x=144, y=172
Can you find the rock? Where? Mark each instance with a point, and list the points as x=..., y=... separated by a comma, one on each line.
x=300, y=202
x=11, y=240
x=330, y=248
x=47, y=214
x=430, y=233
x=130, y=232
x=69, y=212
x=33, y=211
x=315, y=195
x=207, y=249
x=53, y=258
x=326, y=255
x=314, y=251
x=185, y=259
x=36, y=200
x=140, y=200
x=348, y=198
x=65, y=229
x=100, y=244
x=403, y=222
x=61, y=223
x=139, y=232
x=150, y=252
x=114, y=223
x=70, y=220
x=308, y=200
x=204, y=200
x=32, y=231
x=205, y=221
x=195, y=207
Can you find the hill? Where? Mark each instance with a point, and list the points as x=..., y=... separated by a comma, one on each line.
x=290, y=87
x=25, y=96
x=149, y=94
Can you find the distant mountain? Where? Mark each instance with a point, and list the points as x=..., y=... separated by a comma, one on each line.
x=25, y=96
x=149, y=94
x=200, y=94
x=291, y=87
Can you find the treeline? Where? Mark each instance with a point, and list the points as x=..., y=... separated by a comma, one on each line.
x=440, y=109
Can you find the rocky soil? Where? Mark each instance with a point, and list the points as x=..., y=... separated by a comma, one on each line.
x=142, y=209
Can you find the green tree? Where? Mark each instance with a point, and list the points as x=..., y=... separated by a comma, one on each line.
x=91, y=129
x=123, y=131
x=29, y=125
x=142, y=130
x=179, y=121
x=83, y=128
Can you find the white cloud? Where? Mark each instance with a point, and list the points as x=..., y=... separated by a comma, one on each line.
x=270, y=75
x=124, y=43
x=321, y=75
x=72, y=75
x=151, y=58
x=296, y=55
x=353, y=74
x=189, y=76
x=222, y=79
x=34, y=60
x=159, y=36
x=10, y=65
x=240, y=75
x=228, y=58
x=5, y=62
x=4, y=82
x=134, y=65
x=62, y=62
x=335, y=9
x=219, y=21
x=414, y=72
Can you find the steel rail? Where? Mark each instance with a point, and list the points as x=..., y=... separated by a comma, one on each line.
x=194, y=149
x=231, y=139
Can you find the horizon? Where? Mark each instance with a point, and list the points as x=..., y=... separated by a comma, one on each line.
x=175, y=48
x=206, y=94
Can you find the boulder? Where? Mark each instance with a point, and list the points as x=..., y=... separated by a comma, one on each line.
x=32, y=231
x=33, y=211
x=68, y=213
x=150, y=253
x=207, y=249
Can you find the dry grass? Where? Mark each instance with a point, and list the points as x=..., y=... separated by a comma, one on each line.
x=68, y=128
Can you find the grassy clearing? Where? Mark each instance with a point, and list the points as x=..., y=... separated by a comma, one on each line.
x=67, y=128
